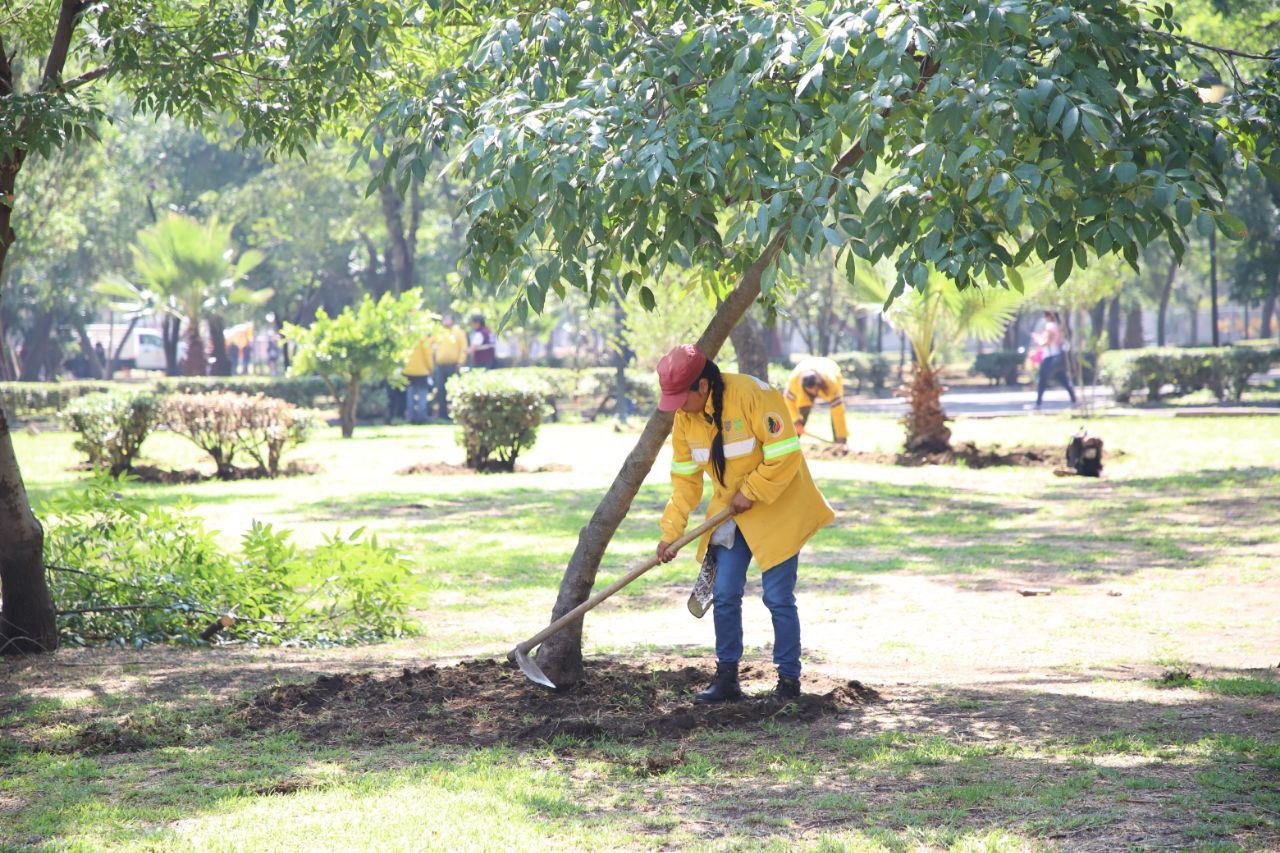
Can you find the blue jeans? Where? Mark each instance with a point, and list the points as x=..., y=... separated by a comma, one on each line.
x=779, y=596
x=1053, y=367
x=417, y=400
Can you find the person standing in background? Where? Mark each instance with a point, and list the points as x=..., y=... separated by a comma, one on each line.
x=417, y=405
x=448, y=352
x=484, y=344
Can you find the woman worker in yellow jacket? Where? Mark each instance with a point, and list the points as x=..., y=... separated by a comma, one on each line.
x=817, y=379
x=735, y=428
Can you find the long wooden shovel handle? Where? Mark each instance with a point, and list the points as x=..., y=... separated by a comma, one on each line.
x=712, y=522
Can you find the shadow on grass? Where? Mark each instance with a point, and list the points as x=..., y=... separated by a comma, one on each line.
x=928, y=762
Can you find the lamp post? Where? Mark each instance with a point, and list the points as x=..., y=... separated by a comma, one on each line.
x=1211, y=91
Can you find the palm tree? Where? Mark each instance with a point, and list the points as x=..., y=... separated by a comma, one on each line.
x=934, y=319
x=191, y=265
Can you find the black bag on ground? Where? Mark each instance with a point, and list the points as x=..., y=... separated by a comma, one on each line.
x=1084, y=454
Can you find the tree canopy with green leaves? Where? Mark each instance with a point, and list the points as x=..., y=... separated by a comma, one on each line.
x=605, y=142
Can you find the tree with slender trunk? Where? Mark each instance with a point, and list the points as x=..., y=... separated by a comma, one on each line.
x=603, y=144
x=279, y=72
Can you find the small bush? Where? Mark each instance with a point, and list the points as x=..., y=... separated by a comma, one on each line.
x=112, y=427
x=498, y=416
x=1001, y=367
x=304, y=391
x=126, y=573
x=32, y=398
x=1223, y=370
x=224, y=424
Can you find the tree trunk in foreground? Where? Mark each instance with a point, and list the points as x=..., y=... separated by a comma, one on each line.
x=925, y=420
x=560, y=657
x=751, y=343
x=26, y=611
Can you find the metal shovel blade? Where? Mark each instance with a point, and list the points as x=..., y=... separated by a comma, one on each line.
x=530, y=669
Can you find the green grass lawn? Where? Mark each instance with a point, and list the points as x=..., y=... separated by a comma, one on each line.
x=1009, y=722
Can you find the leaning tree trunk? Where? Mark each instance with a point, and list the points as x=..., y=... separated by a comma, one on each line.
x=926, y=422
x=26, y=607
x=1133, y=328
x=751, y=343
x=560, y=657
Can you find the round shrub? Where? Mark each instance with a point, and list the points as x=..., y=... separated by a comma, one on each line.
x=224, y=424
x=112, y=427
x=498, y=415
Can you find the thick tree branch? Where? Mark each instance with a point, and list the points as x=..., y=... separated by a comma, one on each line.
x=61, y=46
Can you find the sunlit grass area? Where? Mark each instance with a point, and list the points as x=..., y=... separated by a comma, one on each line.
x=1008, y=722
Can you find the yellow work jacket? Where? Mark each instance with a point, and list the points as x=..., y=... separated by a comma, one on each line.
x=420, y=363
x=798, y=398
x=449, y=346
x=762, y=458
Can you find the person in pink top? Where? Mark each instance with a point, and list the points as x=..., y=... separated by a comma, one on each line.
x=1053, y=365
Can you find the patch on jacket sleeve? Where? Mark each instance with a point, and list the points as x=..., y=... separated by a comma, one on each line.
x=774, y=424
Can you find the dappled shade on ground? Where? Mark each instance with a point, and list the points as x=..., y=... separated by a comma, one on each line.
x=486, y=702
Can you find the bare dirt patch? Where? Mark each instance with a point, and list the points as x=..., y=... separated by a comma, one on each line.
x=179, y=476
x=485, y=702
x=448, y=469
x=967, y=453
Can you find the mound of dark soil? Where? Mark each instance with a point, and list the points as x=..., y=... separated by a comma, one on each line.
x=487, y=702
x=170, y=476
x=968, y=454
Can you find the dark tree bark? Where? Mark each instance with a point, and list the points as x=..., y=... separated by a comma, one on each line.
x=1133, y=327
x=1165, y=293
x=1098, y=319
x=402, y=237
x=1113, y=324
x=1269, y=303
x=219, y=365
x=926, y=422
x=752, y=346
x=26, y=613
x=91, y=360
x=36, y=346
x=196, y=363
x=170, y=327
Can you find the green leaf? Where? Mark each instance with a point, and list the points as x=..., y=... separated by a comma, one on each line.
x=1070, y=121
x=1062, y=269
x=1232, y=226
x=1204, y=223
x=647, y=300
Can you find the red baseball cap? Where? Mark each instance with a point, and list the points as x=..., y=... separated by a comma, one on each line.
x=677, y=372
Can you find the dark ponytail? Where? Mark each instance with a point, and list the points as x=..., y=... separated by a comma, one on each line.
x=711, y=373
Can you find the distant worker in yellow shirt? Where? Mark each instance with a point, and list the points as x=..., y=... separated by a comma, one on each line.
x=818, y=379
x=449, y=351
x=418, y=372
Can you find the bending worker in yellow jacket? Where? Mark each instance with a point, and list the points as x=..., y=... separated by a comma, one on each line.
x=817, y=379
x=734, y=427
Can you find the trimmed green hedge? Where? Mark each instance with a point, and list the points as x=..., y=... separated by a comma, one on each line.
x=29, y=398
x=1001, y=367
x=870, y=370
x=499, y=415
x=1223, y=370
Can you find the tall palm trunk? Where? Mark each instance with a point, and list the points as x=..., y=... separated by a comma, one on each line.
x=194, y=364
x=926, y=422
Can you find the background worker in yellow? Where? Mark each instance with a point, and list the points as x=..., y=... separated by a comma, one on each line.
x=418, y=371
x=817, y=379
x=734, y=428
x=449, y=352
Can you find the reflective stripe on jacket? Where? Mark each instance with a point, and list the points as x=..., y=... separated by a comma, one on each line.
x=762, y=458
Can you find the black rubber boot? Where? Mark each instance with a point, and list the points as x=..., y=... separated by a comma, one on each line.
x=725, y=686
x=788, y=688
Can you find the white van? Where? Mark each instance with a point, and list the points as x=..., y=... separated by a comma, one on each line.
x=144, y=349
